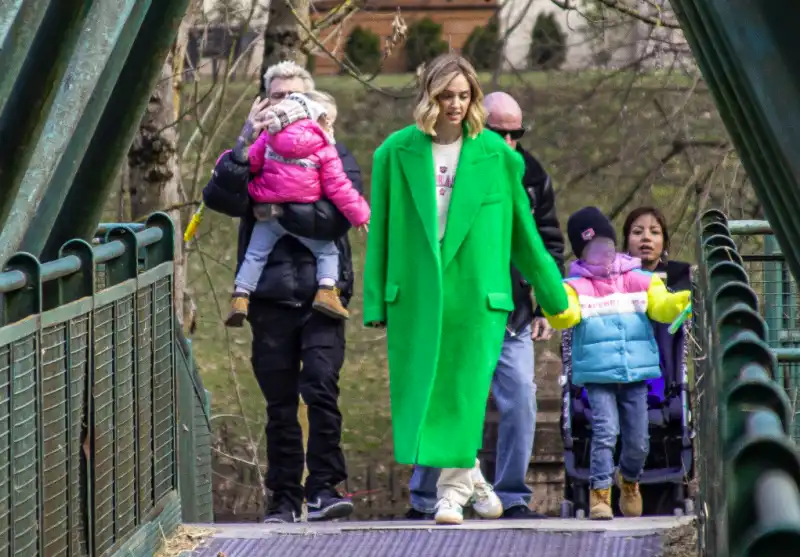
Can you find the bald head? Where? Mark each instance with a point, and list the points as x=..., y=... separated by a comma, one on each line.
x=504, y=114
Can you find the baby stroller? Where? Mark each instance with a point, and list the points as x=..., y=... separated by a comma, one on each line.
x=669, y=466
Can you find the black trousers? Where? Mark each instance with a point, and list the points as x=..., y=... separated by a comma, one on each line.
x=299, y=351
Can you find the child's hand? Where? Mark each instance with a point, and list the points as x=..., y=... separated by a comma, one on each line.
x=364, y=228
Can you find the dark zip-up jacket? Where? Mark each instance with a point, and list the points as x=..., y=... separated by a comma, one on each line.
x=677, y=275
x=543, y=204
x=290, y=275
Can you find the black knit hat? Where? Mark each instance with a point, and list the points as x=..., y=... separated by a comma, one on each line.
x=587, y=224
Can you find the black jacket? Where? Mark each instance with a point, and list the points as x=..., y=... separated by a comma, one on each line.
x=290, y=275
x=677, y=275
x=543, y=203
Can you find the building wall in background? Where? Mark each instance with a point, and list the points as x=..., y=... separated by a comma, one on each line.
x=458, y=18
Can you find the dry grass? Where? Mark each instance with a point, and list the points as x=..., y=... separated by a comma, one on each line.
x=185, y=538
x=681, y=542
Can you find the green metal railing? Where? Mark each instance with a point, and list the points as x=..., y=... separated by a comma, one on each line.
x=777, y=291
x=749, y=469
x=99, y=421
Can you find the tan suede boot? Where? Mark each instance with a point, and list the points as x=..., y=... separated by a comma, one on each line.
x=240, y=303
x=630, y=500
x=327, y=301
x=600, y=504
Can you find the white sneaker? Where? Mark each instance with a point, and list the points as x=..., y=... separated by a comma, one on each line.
x=449, y=512
x=486, y=502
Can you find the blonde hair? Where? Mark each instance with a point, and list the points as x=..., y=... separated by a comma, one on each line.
x=288, y=70
x=327, y=101
x=437, y=75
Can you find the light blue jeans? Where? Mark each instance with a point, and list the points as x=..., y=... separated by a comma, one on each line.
x=618, y=409
x=515, y=396
x=266, y=234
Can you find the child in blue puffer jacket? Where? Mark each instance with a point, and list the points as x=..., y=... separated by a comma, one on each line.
x=614, y=352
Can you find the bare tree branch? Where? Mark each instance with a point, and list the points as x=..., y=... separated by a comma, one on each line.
x=625, y=9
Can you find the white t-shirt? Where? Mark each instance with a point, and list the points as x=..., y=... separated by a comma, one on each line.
x=445, y=162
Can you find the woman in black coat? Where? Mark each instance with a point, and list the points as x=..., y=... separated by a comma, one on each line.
x=645, y=235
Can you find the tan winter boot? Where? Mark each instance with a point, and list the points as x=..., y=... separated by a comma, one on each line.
x=630, y=500
x=600, y=504
x=327, y=301
x=240, y=303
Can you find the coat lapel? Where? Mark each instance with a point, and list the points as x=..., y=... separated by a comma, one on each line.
x=416, y=160
x=473, y=176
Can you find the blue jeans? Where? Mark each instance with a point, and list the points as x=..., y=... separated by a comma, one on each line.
x=618, y=409
x=515, y=396
x=266, y=234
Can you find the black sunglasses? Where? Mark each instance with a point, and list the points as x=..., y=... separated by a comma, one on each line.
x=513, y=134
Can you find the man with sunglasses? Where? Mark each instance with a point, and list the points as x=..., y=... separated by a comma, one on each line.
x=513, y=386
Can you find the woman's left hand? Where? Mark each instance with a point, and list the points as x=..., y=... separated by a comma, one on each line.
x=541, y=329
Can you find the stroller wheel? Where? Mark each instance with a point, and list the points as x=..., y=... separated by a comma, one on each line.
x=580, y=514
x=567, y=509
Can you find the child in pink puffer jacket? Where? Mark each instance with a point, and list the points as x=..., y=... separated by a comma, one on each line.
x=298, y=164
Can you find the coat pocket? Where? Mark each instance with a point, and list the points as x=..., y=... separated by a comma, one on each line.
x=390, y=294
x=500, y=301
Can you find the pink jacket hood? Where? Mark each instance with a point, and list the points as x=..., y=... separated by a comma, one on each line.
x=622, y=264
x=299, y=140
x=300, y=164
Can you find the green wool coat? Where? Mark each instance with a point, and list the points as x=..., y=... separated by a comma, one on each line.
x=446, y=306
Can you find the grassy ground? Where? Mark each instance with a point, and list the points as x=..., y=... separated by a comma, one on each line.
x=604, y=140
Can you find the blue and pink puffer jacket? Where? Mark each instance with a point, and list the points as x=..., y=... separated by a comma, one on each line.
x=613, y=341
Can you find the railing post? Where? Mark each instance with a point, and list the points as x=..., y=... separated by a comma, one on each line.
x=73, y=287
x=126, y=266
x=160, y=252
x=26, y=301
x=80, y=284
x=25, y=439
x=163, y=250
x=773, y=295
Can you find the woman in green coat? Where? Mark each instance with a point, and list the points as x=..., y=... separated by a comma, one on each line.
x=449, y=214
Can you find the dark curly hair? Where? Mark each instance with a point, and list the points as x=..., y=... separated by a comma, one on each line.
x=641, y=211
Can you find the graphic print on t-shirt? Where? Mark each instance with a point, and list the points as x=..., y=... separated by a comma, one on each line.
x=445, y=162
x=444, y=180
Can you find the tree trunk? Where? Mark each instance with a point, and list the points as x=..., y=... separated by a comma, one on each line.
x=284, y=34
x=154, y=180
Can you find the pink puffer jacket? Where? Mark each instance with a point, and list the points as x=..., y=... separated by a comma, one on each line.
x=300, y=165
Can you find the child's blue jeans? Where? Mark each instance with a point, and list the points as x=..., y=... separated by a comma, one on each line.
x=266, y=234
x=618, y=409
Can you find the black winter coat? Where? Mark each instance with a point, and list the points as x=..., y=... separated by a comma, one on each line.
x=290, y=275
x=543, y=203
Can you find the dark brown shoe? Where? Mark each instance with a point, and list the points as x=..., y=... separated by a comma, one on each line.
x=239, y=306
x=327, y=301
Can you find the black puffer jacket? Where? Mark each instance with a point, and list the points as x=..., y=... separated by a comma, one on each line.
x=290, y=275
x=543, y=202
